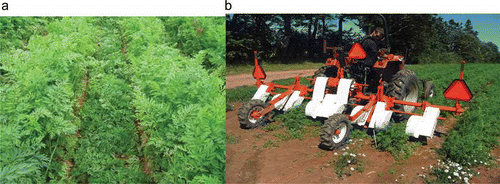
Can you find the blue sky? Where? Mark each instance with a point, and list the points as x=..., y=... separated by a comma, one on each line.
x=487, y=25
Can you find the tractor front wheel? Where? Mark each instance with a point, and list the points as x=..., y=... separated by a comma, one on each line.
x=247, y=114
x=404, y=86
x=335, y=132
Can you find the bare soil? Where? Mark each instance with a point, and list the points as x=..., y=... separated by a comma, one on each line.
x=251, y=159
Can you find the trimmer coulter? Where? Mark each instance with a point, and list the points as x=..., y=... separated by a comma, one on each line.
x=342, y=97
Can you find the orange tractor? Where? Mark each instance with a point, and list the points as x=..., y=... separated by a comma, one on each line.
x=350, y=92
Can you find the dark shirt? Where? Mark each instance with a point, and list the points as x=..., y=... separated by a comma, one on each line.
x=371, y=47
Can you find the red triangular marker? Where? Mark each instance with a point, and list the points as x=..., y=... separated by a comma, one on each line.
x=258, y=72
x=458, y=90
x=357, y=52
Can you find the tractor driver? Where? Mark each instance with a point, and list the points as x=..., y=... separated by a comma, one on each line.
x=371, y=44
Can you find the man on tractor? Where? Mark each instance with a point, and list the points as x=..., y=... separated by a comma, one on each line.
x=371, y=44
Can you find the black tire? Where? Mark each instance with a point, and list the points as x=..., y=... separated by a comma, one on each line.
x=326, y=71
x=246, y=121
x=429, y=91
x=404, y=86
x=331, y=141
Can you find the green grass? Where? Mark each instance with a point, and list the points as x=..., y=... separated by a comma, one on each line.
x=347, y=163
x=450, y=172
x=245, y=93
x=271, y=144
x=359, y=134
x=232, y=139
x=272, y=127
x=395, y=140
x=258, y=135
x=240, y=94
x=295, y=121
x=321, y=153
x=392, y=171
x=241, y=69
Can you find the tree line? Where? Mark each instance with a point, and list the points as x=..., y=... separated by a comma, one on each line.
x=286, y=38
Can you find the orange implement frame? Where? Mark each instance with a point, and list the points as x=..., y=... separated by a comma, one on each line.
x=356, y=94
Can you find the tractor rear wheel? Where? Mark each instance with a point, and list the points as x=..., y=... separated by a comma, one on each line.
x=245, y=114
x=404, y=86
x=335, y=132
x=429, y=91
x=326, y=71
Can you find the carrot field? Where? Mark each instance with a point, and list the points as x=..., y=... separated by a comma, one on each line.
x=112, y=100
x=477, y=131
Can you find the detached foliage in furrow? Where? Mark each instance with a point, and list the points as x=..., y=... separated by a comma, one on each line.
x=107, y=150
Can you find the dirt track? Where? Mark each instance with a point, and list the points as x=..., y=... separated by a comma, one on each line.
x=233, y=81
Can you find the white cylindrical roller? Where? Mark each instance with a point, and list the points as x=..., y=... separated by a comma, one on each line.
x=261, y=93
x=412, y=126
x=279, y=105
x=294, y=101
